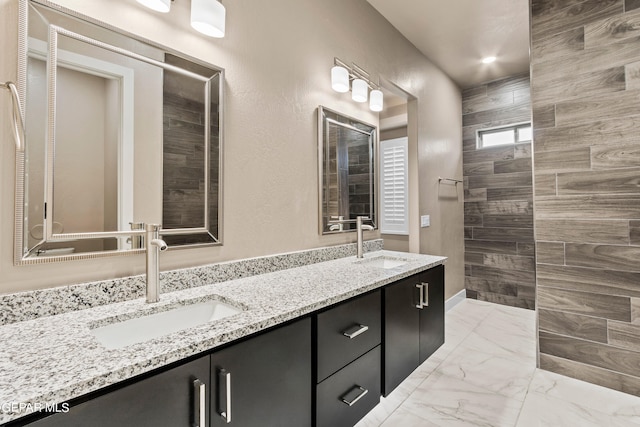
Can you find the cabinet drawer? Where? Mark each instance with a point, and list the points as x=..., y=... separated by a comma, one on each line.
x=358, y=383
x=359, y=318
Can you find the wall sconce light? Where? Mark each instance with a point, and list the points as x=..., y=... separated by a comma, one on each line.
x=341, y=74
x=157, y=5
x=359, y=90
x=207, y=16
x=340, y=79
x=376, y=100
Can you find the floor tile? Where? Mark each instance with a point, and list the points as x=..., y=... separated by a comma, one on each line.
x=541, y=410
x=446, y=400
x=556, y=387
x=485, y=375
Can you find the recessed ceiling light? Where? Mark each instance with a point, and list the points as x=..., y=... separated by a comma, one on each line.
x=488, y=59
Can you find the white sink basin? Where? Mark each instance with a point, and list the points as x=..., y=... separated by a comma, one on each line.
x=144, y=328
x=384, y=262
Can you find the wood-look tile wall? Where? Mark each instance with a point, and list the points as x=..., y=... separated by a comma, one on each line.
x=498, y=204
x=585, y=94
x=359, y=179
x=183, y=165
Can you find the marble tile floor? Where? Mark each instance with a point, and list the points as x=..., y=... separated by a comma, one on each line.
x=485, y=375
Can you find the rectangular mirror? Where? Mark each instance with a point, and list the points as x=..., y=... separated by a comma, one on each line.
x=119, y=132
x=347, y=156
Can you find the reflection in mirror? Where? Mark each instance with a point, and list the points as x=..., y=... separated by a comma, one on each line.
x=188, y=185
x=346, y=150
x=119, y=132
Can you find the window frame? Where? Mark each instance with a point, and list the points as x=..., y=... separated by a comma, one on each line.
x=394, y=226
x=514, y=127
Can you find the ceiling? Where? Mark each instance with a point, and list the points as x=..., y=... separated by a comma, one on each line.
x=457, y=34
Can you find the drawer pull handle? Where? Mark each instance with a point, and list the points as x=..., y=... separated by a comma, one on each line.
x=199, y=404
x=354, y=331
x=425, y=294
x=224, y=377
x=420, y=304
x=350, y=400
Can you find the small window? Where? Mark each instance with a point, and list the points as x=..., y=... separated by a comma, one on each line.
x=394, y=186
x=504, y=135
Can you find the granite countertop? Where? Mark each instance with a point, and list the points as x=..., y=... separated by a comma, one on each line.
x=53, y=359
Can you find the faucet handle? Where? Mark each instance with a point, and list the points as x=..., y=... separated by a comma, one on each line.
x=152, y=227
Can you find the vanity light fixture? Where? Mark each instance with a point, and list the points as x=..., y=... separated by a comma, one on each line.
x=157, y=5
x=342, y=74
x=359, y=90
x=340, y=79
x=207, y=16
x=375, y=100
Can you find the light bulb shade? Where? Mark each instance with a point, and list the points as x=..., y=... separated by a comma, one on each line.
x=340, y=79
x=157, y=5
x=359, y=90
x=376, y=100
x=208, y=17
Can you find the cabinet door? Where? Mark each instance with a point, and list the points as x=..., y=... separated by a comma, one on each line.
x=401, y=331
x=264, y=381
x=432, y=315
x=167, y=399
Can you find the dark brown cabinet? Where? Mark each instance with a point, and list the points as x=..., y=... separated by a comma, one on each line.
x=349, y=394
x=169, y=398
x=347, y=331
x=264, y=381
x=348, y=342
x=325, y=370
x=413, y=324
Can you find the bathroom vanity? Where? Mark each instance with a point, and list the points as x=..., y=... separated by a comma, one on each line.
x=311, y=345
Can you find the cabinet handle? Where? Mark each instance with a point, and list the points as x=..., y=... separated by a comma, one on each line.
x=354, y=331
x=199, y=404
x=420, y=304
x=224, y=377
x=361, y=392
x=425, y=294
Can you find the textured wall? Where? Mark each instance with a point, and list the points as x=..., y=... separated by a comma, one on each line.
x=498, y=197
x=277, y=57
x=585, y=95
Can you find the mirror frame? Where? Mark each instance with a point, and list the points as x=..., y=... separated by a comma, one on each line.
x=20, y=257
x=373, y=168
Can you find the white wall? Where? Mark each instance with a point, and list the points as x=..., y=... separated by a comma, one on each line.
x=277, y=56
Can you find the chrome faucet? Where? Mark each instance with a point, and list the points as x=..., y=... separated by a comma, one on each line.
x=336, y=223
x=360, y=227
x=154, y=244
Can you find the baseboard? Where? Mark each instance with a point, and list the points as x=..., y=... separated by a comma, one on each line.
x=455, y=300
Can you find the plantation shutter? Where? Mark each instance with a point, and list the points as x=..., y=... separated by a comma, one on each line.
x=394, y=186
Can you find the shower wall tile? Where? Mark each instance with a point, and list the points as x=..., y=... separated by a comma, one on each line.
x=585, y=92
x=499, y=243
x=587, y=279
x=586, y=303
x=590, y=353
x=604, y=377
x=580, y=326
